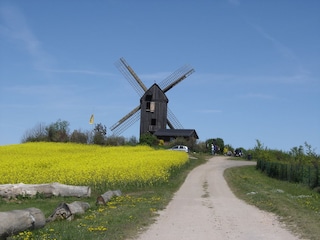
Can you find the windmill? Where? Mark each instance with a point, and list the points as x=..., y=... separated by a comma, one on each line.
x=152, y=111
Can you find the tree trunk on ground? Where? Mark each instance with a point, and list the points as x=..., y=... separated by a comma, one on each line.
x=68, y=210
x=15, y=221
x=48, y=190
x=104, y=198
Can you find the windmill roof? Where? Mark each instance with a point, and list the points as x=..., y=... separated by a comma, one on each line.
x=176, y=133
x=152, y=89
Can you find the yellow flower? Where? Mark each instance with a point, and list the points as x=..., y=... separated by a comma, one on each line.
x=93, y=165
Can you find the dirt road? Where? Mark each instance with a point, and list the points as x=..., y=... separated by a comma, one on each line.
x=205, y=208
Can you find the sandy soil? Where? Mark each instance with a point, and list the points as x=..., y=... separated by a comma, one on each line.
x=205, y=208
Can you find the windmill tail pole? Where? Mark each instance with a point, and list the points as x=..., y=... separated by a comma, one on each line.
x=16, y=221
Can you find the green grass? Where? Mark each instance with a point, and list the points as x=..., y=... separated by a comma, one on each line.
x=121, y=218
x=296, y=205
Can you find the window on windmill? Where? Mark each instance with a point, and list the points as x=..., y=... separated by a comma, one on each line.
x=153, y=121
x=148, y=97
x=152, y=106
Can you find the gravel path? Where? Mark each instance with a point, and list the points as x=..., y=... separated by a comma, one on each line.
x=205, y=208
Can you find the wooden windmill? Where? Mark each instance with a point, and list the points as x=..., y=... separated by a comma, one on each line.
x=153, y=111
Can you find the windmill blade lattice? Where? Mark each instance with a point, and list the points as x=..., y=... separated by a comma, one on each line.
x=119, y=128
x=131, y=76
x=176, y=77
x=173, y=121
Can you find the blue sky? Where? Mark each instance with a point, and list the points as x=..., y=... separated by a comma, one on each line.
x=257, y=66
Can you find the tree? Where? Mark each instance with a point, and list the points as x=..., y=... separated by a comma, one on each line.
x=115, y=140
x=58, y=131
x=216, y=142
x=220, y=144
x=99, y=134
x=37, y=134
x=78, y=136
x=132, y=141
x=200, y=147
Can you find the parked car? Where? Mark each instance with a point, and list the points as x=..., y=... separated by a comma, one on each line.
x=238, y=152
x=180, y=148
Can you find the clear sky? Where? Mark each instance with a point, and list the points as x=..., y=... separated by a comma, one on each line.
x=257, y=66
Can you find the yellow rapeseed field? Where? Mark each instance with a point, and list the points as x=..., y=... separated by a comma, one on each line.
x=78, y=164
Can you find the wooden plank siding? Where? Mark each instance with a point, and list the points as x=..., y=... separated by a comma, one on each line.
x=153, y=110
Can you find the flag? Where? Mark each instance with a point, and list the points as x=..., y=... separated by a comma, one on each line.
x=91, y=121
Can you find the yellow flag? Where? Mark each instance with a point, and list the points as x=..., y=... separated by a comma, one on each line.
x=91, y=121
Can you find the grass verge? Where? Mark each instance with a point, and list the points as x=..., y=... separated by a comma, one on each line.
x=297, y=206
x=122, y=218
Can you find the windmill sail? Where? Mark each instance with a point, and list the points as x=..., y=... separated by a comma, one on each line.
x=128, y=122
x=175, y=78
x=125, y=122
x=172, y=120
x=131, y=76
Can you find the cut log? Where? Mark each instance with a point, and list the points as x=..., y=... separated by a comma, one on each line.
x=47, y=189
x=16, y=221
x=68, y=211
x=106, y=197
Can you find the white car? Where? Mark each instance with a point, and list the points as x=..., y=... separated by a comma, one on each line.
x=180, y=148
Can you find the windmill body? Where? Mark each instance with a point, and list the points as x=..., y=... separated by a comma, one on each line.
x=153, y=110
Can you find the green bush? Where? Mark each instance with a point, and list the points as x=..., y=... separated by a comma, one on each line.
x=149, y=139
x=294, y=166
